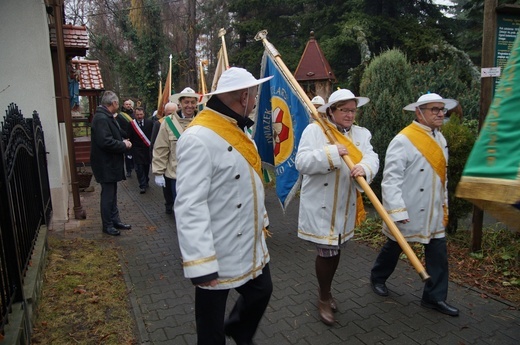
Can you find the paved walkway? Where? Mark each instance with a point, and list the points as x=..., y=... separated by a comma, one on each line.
x=163, y=300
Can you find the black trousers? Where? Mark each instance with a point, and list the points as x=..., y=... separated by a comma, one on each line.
x=436, y=257
x=241, y=325
x=108, y=204
x=142, y=171
x=129, y=163
x=169, y=192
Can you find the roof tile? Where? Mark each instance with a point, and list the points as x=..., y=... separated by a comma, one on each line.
x=90, y=75
x=73, y=36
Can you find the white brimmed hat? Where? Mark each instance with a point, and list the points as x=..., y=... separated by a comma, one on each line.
x=343, y=95
x=236, y=78
x=187, y=92
x=431, y=98
x=318, y=100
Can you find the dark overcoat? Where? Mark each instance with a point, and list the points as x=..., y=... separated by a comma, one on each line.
x=123, y=123
x=140, y=151
x=107, y=148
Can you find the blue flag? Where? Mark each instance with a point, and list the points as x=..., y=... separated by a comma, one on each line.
x=281, y=118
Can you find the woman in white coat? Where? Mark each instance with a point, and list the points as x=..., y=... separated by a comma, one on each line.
x=330, y=202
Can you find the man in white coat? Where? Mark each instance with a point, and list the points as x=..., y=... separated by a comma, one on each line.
x=330, y=199
x=220, y=212
x=415, y=195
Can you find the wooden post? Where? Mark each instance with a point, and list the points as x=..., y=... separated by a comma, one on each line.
x=486, y=95
x=64, y=98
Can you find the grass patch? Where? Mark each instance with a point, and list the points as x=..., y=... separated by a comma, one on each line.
x=494, y=270
x=84, y=297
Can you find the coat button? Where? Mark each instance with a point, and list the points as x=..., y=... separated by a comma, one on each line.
x=230, y=148
x=325, y=184
x=239, y=234
x=237, y=177
x=239, y=205
x=422, y=189
x=422, y=170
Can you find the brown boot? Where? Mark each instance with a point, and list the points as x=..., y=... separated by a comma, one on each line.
x=325, y=311
x=333, y=304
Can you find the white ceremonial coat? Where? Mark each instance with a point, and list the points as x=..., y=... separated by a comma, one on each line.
x=328, y=194
x=412, y=190
x=219, y=209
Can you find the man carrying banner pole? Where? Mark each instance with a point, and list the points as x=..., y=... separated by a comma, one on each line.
x=360, y=180
x=415, y=193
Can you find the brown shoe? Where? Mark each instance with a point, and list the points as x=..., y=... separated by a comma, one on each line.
x=333, y=304
x=325, y=311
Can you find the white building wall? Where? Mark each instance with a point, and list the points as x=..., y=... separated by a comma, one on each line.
x=26, y=78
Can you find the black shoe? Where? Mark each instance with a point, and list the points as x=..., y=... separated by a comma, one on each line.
x=169, y=211
x=379, y=288
x=142, y=191
x=111, y=231
x=122, y=226
x=441, y=306
x=229, y=333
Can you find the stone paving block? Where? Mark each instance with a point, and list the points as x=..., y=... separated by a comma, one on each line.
x=184, y=334
x=442, y=326
x=157, y=336
x=372, y=338
x=279, y=339
x=402, y=339
x=413, y=320
x=423, y=334
x=507, y=336
x=327, y=337
x=364, y=311
x=275, y=326
x=348, y=330
x=451, y=339
x=298, y=335
x=160, y=324
x=394, y=328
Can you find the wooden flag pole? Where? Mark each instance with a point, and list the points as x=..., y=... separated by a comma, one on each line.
x=203, y=88
x=221, y=34
x=262, y=36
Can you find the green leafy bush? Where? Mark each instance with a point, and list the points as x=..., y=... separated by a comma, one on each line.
x=386, y=81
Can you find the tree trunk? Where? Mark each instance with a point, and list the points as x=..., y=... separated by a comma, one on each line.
x=191, y=73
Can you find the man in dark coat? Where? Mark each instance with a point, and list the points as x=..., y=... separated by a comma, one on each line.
x=124, y=118
x=139, y=133
x=107, y=160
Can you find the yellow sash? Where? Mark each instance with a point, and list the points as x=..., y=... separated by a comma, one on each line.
x=356, y=156
x=127, y=117
x=232, y=134
x=431, y=150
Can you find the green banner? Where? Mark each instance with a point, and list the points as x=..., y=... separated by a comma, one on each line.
x=496, y=153
x=491, y=177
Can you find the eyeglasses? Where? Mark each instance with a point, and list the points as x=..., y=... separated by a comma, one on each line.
x=435, y=110
x=347, y=110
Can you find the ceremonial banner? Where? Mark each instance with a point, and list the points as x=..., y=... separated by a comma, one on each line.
x=491, y=177
x=166, y=93
x=281, y=118
x=219, y=69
